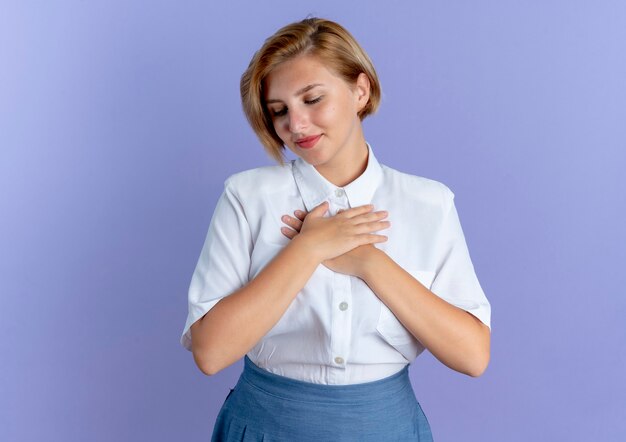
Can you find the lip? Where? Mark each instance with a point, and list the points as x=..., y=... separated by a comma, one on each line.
x=308, y=142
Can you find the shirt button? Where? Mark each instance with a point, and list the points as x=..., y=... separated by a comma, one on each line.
x=339, y=192
x=343, y=306
x=339, y=360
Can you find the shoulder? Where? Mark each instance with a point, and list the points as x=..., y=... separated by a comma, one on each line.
x=418, y=188
x=259, y=180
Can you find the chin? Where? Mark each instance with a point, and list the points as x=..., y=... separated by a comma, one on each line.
x=315, y=160
x=306, y=155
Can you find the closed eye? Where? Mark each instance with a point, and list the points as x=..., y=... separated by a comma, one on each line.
x=283, y=111
x=280, y=113
x=315, y=100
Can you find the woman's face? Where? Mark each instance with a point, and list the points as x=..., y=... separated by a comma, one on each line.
x=315, y=112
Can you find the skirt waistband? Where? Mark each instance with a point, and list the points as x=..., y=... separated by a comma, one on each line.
x=294, y=389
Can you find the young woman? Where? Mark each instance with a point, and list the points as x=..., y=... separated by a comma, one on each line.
x=332, y=272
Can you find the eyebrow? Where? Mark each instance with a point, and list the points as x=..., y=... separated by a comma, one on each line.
x=299, y=92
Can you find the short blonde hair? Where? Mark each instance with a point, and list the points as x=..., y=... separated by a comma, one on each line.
x=328, y=41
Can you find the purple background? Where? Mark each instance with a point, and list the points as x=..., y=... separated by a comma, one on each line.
x=119, y=122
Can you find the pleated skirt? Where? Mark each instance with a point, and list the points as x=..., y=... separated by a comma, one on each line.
x=267, y=407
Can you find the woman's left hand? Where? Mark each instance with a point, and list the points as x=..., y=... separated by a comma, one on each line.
x=353, y=262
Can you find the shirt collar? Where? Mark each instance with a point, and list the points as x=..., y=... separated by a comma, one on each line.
x=315, y=189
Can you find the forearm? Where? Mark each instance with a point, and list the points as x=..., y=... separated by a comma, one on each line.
x=238, y=321
x=454, y=336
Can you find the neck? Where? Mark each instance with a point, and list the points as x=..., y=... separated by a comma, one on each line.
x=348, y=168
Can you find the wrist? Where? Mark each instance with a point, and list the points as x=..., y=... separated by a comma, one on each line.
x=305, y=248
x=372, y=264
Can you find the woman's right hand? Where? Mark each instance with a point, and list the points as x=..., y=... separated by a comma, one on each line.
x=329, y=237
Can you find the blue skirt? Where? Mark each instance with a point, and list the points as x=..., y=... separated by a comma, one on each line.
x=267, y=407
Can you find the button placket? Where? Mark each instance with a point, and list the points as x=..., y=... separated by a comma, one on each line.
x=341, y=315
x=341, y=325
x=341, y=200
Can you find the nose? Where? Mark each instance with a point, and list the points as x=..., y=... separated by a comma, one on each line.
x=298, y=120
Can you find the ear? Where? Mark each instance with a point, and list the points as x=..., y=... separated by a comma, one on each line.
x=362, y=91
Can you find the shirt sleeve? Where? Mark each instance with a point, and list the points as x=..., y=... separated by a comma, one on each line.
x=224, y=263
x=455, y=280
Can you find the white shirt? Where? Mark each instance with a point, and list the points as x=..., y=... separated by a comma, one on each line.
x=336, y=330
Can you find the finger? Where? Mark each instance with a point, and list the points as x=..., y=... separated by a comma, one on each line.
x=320, y=209
x=355, y=211
x=300, y=214
x=371, y=216
x=292, y=222
x=371, y=238
x=289, y=233
x=373, y=226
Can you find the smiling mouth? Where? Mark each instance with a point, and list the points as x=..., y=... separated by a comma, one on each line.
x=308, y=142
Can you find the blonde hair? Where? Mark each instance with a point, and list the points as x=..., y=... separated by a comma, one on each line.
x=325, y=39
